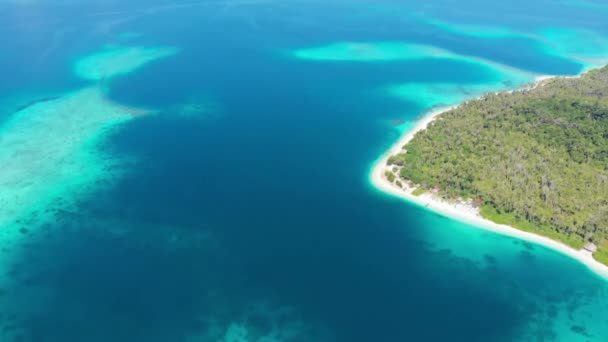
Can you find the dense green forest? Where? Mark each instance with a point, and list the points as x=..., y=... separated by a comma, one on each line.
x=536, y=159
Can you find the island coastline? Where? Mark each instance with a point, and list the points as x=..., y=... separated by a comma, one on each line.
x=462, y=211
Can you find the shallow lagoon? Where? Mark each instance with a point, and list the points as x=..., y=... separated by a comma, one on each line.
x=256, y=221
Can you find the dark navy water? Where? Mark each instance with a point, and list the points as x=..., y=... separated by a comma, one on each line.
x=261, y=213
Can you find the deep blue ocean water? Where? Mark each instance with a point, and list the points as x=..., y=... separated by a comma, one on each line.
x=261, y=213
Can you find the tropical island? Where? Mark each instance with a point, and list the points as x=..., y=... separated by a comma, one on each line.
x=534, y=159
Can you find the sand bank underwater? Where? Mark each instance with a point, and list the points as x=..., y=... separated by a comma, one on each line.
x=51, y=151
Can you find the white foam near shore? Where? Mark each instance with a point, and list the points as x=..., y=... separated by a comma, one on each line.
x=462, y=211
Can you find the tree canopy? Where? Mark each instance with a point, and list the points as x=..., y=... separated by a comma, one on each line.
x=535, y=158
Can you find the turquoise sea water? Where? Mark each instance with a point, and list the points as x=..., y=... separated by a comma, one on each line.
x=198, y=171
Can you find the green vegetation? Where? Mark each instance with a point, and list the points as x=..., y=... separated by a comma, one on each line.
x=418, y=191
x=601, y=255
x=535, y=159
x=390, y=176
x=511, y=219
x=398, y=159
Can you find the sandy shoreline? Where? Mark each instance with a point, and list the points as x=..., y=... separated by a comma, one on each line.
x=461, y=211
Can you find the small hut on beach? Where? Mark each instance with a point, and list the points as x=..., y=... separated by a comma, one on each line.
x=590, y=247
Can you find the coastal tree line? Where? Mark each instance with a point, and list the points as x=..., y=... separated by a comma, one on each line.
x=536, y=159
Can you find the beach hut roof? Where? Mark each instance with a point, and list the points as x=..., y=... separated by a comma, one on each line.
x=591, y=247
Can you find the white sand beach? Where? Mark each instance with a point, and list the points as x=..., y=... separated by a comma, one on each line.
x=462, y=211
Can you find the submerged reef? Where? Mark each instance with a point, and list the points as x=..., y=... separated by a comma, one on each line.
x=370, y=52
x=50, y=149
x=433, y=95
x=586, y=46
x=261, y=321
x=197, y=107
x=582, y=45
x=48, y=156
x=116, y=61
x=494, y=76
x=45, y=148
x=475, y=31
x=429, y=95
x=31, y=103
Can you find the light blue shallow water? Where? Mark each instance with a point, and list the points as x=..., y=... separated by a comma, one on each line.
x=239, y=208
